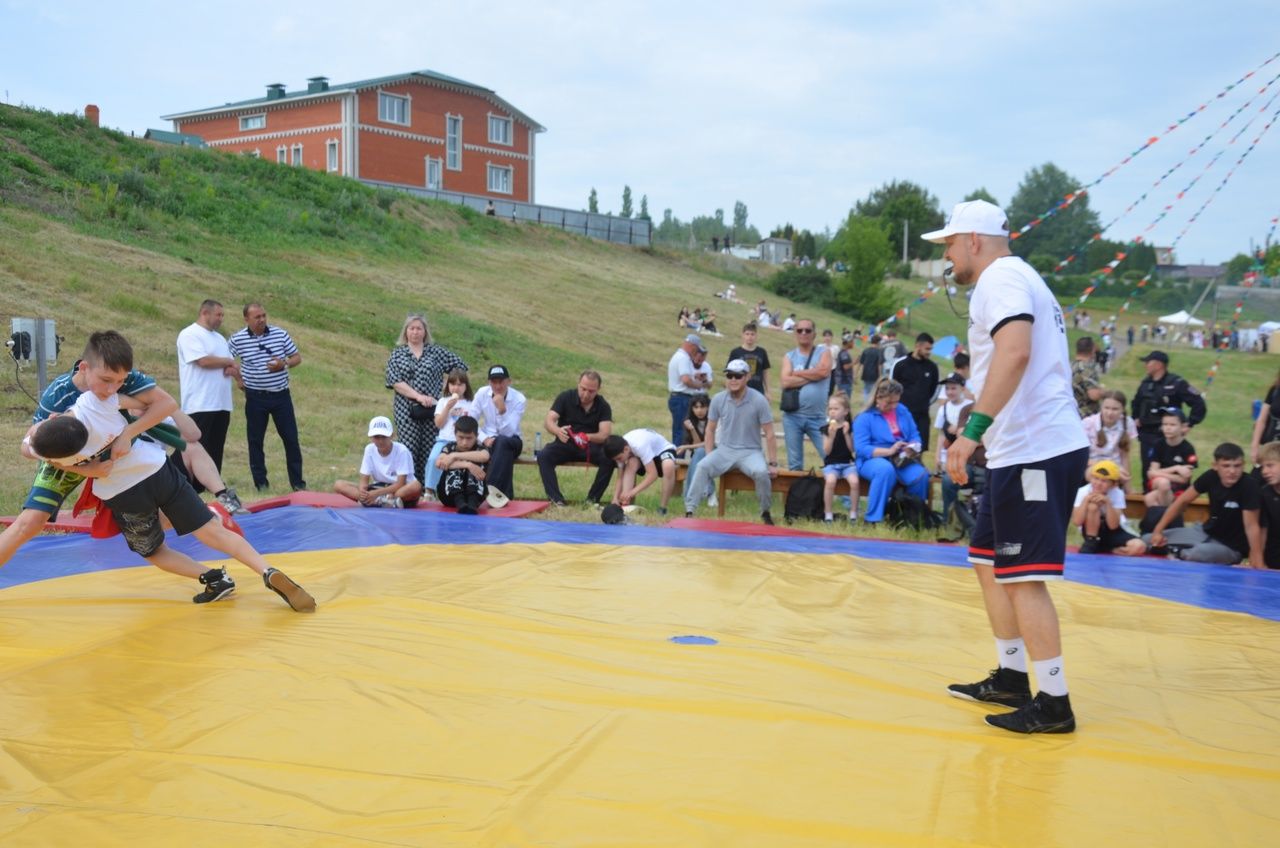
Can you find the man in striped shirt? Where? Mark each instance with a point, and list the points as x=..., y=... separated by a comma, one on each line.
x=266, y=354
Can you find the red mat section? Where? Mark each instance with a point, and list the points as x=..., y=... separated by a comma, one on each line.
x=330, y=500
x=514, y=509
x=740, y=528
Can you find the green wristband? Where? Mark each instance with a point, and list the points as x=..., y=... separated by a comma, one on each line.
x=978, y=424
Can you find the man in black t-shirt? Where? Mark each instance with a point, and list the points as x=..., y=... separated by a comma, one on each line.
x=869, y=366
x=580, y=420
x=1173, y=460
x=756, y=357
x=1233, y=531
x=918, y=375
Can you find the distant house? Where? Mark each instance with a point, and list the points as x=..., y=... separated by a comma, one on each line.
x=776, y=251
x=1191, y=273
x=419, y=128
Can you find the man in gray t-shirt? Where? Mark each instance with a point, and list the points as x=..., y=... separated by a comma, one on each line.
x=733, y=440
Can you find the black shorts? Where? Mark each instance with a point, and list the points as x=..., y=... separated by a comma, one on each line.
x=1109, y=539
x=657, y=462
x=1022, y=520
x=137, y=509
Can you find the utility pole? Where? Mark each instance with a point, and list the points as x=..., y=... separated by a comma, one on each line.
x=904, y=241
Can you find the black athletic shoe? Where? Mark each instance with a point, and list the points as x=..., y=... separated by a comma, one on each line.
x=1045, y=714
x=766, y=517
x=1090, y=545
x=217, y=585
x=1003, y=686
x=294, y=595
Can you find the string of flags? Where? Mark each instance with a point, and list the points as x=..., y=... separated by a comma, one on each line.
x=1081, y=192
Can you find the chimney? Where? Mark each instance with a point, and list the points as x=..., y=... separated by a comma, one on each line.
x=275, y=91
x=315, y=84
x=91, y=114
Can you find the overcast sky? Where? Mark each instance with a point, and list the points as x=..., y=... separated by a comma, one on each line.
x=796, y=108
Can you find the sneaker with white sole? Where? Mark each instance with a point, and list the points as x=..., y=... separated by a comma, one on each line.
x=293, y=594
x=389, y=501
x=712, y=500
x=217, y=585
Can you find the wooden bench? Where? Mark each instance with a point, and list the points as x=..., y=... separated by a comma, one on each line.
x=735, y=481
x=1197, y=510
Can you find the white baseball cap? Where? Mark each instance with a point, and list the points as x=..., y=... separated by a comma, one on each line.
x=972, y=216
x=737, y=366
x=380, y=426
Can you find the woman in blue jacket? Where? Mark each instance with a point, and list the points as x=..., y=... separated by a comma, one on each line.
x=887, y=446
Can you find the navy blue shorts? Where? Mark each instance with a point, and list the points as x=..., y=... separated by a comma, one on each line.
x=1023, y=518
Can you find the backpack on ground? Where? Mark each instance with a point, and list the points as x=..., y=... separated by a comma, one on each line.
x=905, y=510
x=804, y=499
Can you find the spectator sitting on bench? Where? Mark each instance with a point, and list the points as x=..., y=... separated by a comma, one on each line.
x=642, y=453
x=1173, y=460
x=887, y=449
x=1232, y=532
x=837, y=443
x=580, y=420
x=738, y=417
x=1099, y=506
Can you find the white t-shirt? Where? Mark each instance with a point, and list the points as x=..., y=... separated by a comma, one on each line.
x=680, y=365
x=948, y=413
x=1111, y=435
x=460, y=408
x=387, y=469
x=647, y=444
x=1041, y=420
x=202, y=389
x=103, y=421
x=1116, y=496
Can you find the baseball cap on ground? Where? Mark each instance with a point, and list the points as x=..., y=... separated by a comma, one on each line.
x=696, y=340
x=1158, y=356
x=1106, y=470
x=737, y=366
x=499, y=372
x=613, y=514
x=380, y=426
x=972, y=216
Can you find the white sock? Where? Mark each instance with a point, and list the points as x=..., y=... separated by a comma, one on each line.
x=1051, y=678
x=1012, y=654
x=828, y=516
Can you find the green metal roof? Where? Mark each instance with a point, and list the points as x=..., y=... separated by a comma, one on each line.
x=355, y=86
x=181, y=139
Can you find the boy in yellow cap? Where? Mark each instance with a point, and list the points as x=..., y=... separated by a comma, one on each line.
x=1099, y=506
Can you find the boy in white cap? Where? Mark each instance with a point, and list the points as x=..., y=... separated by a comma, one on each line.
x=386, y=471
x=1026, y=417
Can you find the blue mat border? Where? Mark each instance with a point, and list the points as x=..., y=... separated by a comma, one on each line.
x=300, y=529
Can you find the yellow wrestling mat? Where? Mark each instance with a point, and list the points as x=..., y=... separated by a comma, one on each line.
x=530, y=695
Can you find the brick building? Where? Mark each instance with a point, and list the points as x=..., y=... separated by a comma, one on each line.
x=419, y=128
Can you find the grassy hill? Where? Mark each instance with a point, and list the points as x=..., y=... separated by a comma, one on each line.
x=98, y=230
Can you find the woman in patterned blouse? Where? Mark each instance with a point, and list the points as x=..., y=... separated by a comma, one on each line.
x=415, y=372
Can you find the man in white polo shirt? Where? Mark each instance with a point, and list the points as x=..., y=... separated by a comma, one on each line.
x=266, y=353
x=1025, y=414
x=205, y=371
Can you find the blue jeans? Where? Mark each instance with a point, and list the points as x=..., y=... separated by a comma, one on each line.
x=258, y=407
x=695, y=458
x=678, y=403
x=883, y=475
x=794, y=428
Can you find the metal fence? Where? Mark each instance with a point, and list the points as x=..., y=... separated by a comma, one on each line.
x=604, y=227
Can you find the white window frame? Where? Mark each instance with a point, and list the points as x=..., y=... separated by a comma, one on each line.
x=331, y=155
x=505, y=132
x=282, y=155
x=452, y=143
x=388, y=116
x=256, y=153
x=506, y=175
x=257, y=121
x=435, y=163
x=296, y=155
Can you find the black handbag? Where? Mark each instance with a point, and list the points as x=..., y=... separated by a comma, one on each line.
x=791, y=397
x=418, y=412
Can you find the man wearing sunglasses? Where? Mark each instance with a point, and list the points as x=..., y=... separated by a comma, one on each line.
x=807, y=367
x=266, y=354
x=734, y=423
